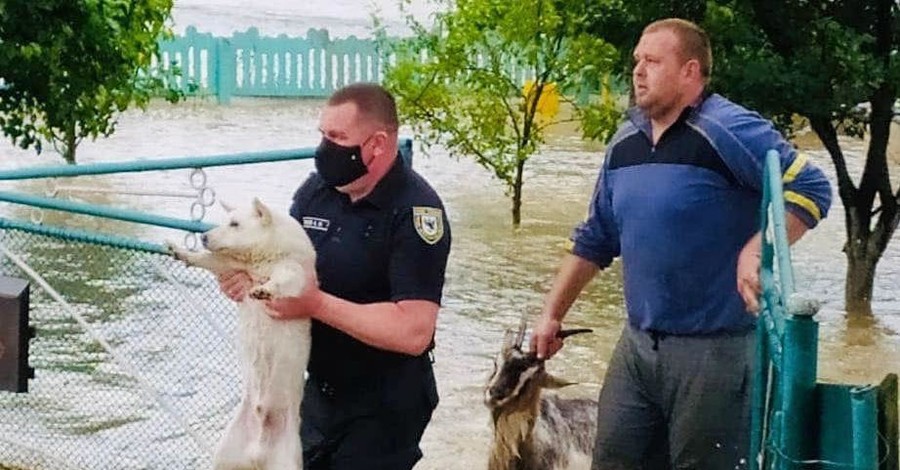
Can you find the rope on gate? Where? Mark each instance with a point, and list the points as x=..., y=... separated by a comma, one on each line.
x=819, y=463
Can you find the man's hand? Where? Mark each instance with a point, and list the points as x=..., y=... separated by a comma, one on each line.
x=305, y=305
x=748, y=264
x=544, y=340
x=235, y=285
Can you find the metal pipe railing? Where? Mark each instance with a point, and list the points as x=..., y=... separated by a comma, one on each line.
x=82, y=236
x=156, y=164
x=786, y=348
x=102, y=211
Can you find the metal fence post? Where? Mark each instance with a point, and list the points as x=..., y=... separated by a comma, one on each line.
x=225, y=70
x=801, y=337
x=758, y=403
x=864, y=415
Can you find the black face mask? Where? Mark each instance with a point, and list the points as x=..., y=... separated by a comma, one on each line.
x=339, y=165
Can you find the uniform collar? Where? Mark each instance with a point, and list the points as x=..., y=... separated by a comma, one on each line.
x=384, y=191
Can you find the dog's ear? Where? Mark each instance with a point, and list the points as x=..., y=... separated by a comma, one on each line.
x=262, y=211
x=226, y=206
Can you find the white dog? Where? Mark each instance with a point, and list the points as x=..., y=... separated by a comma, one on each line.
x=275, y=251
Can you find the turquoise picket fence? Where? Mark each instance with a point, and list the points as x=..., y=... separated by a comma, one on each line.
x=798, y=422
x=247, y=64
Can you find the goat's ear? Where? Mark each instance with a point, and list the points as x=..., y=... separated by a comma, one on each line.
x=551, y=381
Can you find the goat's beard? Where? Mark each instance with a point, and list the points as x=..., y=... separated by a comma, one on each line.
x=512, y=428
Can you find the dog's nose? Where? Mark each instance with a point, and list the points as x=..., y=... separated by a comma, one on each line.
x=203, y=238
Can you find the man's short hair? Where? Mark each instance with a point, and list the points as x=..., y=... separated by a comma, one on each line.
x=694, y=41
x=373, y=102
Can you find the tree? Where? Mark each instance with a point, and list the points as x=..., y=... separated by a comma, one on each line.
x=462, y=81
x=620, y=22
x=818, y=59
x=68, y=66
x=830, y=56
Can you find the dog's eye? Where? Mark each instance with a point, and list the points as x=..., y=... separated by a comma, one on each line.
x=233, y=224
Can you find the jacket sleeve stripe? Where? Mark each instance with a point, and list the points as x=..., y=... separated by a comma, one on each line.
x=804, y=202
x=795, y=168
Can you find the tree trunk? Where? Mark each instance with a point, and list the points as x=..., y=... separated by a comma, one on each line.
x=860, y=280
x=70, y=144
x=517, y=194
x=865, y=242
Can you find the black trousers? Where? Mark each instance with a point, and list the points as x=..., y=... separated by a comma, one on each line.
x=373, y=425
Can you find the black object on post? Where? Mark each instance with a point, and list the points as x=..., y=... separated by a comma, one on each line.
x=14, y=335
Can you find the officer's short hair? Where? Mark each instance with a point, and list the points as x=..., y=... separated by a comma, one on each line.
x=373, y=101
x=694, y=41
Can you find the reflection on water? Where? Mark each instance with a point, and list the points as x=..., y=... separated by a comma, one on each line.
x=495, y=275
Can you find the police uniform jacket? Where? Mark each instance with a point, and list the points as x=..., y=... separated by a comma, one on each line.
x=391, y=245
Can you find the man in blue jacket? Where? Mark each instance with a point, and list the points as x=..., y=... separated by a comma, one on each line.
x=678, y=200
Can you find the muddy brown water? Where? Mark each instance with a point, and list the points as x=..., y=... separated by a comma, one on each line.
x=496, y=273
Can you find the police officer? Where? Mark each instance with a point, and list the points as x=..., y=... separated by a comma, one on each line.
x=382, y=240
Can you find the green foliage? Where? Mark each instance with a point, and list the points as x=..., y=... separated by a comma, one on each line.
x=460, y=81
x=782, y=58
x=621, y=22
x=68, y=66
x=822, y=72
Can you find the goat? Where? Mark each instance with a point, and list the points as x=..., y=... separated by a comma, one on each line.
x=535, y=431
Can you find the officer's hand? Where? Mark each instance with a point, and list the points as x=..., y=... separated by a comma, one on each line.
x=235, y=284
x=543, y=336
x=748, y=274
x=304, y=305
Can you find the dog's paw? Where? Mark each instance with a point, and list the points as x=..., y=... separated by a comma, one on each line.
x=261, y=293
x=176, y=251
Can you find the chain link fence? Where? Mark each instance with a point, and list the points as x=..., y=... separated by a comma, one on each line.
x=134, y=369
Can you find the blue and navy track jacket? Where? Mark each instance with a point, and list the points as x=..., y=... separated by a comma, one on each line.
x=678, y=213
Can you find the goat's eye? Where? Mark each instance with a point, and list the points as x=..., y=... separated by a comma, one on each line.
x=233, y=223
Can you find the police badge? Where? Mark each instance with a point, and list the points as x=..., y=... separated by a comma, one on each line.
x=429, y=223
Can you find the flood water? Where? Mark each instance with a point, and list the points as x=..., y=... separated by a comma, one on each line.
x=495, y=274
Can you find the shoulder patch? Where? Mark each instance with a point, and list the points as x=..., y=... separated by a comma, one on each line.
x=429, y=223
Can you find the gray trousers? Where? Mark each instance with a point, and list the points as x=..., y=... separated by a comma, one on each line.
x=676, y=402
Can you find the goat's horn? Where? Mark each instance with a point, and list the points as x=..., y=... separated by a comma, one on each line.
x=520, y=335
x=563, y=334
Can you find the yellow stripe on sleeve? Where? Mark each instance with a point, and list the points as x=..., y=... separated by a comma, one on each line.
x=795, y=168
x=804, y=202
